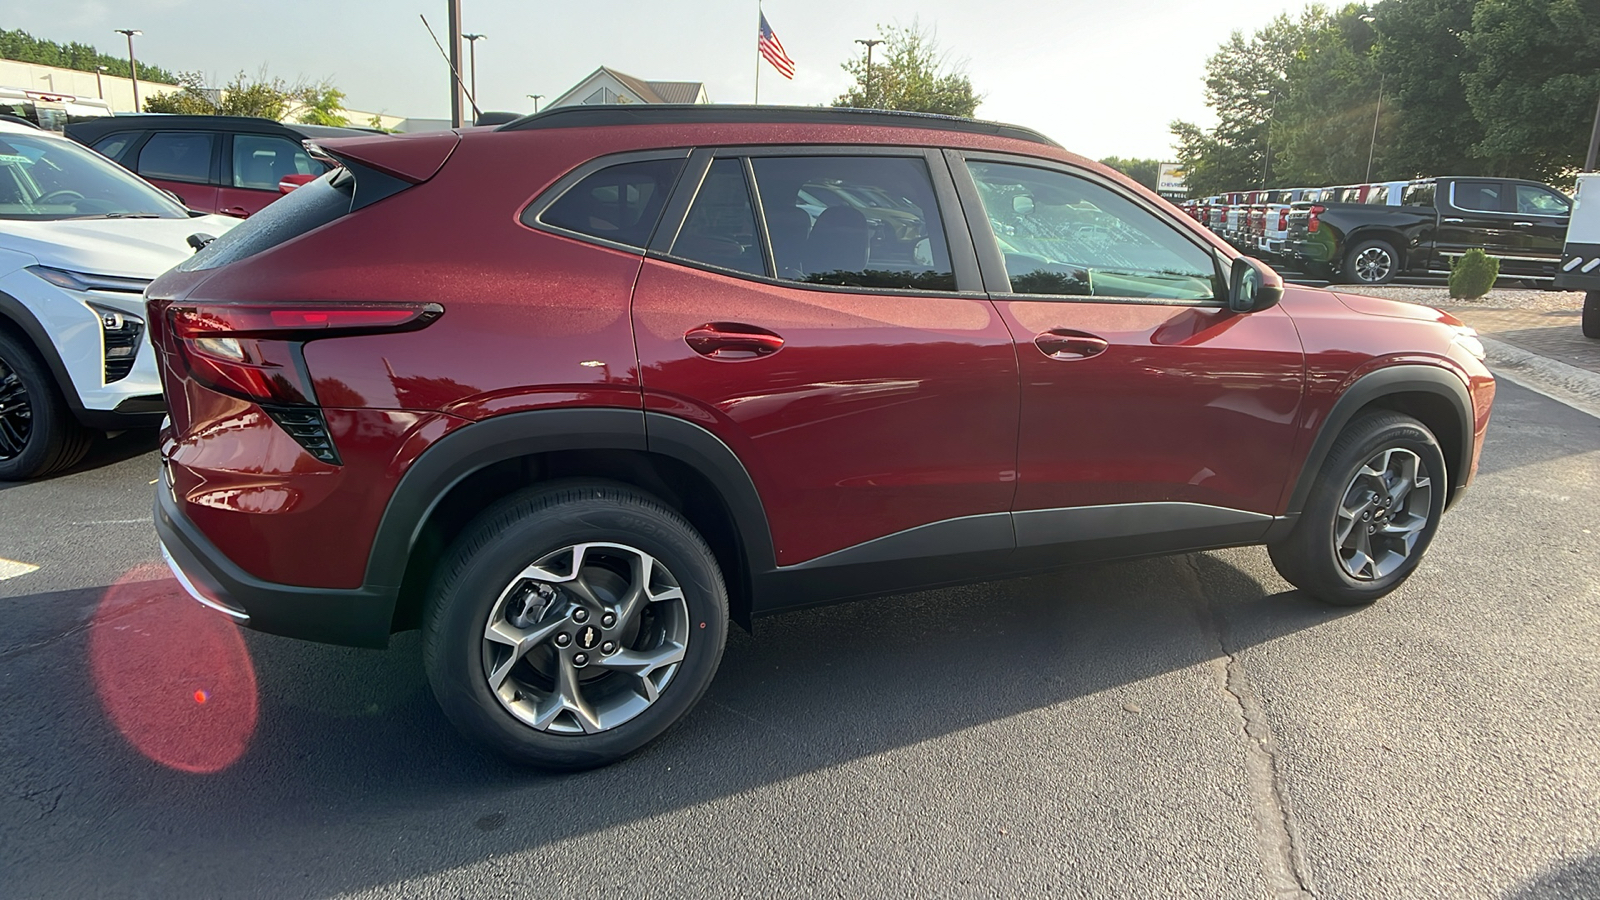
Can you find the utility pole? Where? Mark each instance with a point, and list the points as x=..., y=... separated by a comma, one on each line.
x=1594, y=142
x=472, y=54
x=535, y=98
x=456, y=87
x=133, y=64
x=1372, y=147
x=869, y=44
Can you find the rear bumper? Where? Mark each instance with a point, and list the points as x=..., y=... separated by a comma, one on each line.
x=356, y=618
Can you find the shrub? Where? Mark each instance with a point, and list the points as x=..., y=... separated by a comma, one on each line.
x=1473, y=274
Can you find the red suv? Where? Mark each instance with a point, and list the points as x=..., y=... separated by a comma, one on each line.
x=571, y=394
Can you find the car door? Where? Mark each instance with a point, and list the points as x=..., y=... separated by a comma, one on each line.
x=253, y=164
x=846, y=353
x=1150, y=412
x=1541, y=224
x=182, y=162
x=1475, y=213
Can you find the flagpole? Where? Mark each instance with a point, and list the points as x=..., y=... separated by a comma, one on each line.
x=758, y=53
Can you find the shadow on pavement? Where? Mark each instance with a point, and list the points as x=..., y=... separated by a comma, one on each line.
x=350, y=755
x=1578, y=880
x=105, y=451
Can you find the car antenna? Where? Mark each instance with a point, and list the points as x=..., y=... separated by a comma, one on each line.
x=471, y=99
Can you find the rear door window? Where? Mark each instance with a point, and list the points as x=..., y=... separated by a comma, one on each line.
x=1477, y=196
x=619, y=203
x=178, y=156
x=862, y=221
x=1419, y=194
x=260, y=161
x=721, y=226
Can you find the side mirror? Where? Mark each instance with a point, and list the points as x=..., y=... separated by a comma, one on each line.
x=290, y=182
x=1253, y=286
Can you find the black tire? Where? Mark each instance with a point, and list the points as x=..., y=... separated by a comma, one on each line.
x=477, y=577
x=38, y=434
x=1384, y=263
x=1591, y=314
x=1310, y=558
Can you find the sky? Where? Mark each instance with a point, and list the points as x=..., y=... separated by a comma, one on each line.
x=1102, y=78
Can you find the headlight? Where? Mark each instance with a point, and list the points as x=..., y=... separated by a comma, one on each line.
x=83, y=281
x=121, y=340
x=1467, y=339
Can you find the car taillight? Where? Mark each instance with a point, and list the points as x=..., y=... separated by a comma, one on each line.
x=1283, y=219
x=1311, y=221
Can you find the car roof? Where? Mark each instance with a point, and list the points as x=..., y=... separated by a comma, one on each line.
x=603, y=115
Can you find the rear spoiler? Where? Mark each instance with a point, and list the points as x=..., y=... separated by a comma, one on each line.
x=413, y=158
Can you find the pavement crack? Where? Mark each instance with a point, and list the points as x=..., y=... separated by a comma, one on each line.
x=1283, y=864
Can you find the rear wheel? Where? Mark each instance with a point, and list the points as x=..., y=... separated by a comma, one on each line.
x=574, y=623
x=1371, y=513
x=1371, y=262
x=38, y=434
x=1591, y=314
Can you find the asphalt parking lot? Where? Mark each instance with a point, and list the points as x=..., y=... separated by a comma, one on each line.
x=1182, y=727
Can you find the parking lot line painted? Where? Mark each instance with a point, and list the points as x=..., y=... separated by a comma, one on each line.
x=10, y=568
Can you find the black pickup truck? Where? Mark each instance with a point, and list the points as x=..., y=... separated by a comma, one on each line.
x=1418, y=228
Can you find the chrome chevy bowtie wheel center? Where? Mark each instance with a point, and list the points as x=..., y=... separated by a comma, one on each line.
x=586, y=638
x=1383, y=513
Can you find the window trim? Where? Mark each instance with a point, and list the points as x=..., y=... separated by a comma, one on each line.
x=211, y=178
x=531, y=215
x=992, y=262
x=963, y=260
x=767, y=261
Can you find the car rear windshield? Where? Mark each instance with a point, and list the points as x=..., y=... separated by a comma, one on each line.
x=45, y=178
x=303, y=209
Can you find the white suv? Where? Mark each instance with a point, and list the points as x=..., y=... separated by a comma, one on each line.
x=80, y=238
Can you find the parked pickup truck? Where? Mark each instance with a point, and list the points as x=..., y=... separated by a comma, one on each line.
x=1522, y=223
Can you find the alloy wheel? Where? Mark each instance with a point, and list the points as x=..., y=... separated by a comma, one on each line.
x=1373, y=265
x=16, y=413
x=1382, y=514
x=586, y=638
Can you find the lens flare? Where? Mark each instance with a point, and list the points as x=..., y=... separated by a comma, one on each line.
x=150, y=644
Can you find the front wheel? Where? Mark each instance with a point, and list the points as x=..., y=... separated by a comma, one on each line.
x=38, y=434
x=1371, y=262
x=1591, y=314
x=1371, y=513
x=574, y=623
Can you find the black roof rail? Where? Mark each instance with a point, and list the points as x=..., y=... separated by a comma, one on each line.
x=611, y=114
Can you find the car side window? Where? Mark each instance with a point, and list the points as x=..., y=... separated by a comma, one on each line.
x=112, y=145
x=863, y=221
x=1064, y=235
x=1419, y=194
x=1537, y=201
x=721, y=226
x=260, y=161
x=177, y=156
x=1477, y=196
x=619, y=203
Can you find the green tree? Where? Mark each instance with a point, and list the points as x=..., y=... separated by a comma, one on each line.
x=1422, y=56
x=262, y=97
x=192, y=98
x=322, y=105
x=1323, y=122
x=21, y=46
x=909, y=72
x=1144, y=171
x=1534, y=85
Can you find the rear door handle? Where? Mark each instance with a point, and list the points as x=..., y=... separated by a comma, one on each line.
x=1523, y=224
x=1065, y=344
x=1453, y=221
x=238, y=212
x=732, y=340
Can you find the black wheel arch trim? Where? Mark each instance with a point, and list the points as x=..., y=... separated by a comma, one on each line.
x=1398, y=379
x=21, y=316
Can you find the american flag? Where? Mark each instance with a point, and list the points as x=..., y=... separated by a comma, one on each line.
x=772, y=49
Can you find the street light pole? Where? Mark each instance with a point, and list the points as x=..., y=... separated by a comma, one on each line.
x=535, y=98
x=456, y=87
x=133, y=64
x=869, y=44
x=1372, y=147
x=472, y=53
x=1266, y=162
x=1594, y=142
x=100, y=80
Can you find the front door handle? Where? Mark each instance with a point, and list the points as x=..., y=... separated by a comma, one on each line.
x=1523, y=224
x=731, y=340
x=1062, y=343
x=238, y=212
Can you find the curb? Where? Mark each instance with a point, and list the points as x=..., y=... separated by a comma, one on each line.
x=1577, y=388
